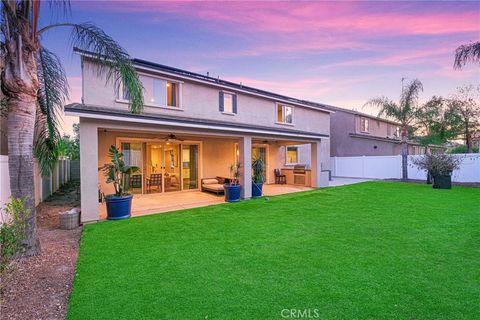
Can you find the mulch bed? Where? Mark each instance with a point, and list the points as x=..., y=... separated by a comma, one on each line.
x=38, y=287
x=462, y=184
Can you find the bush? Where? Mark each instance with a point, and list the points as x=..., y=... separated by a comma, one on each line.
x=12, y=231
x=462, y=149
x=437, y=164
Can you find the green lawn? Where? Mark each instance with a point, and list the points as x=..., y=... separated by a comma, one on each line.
x=375, y=250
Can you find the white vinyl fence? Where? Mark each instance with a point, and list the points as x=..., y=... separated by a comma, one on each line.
x=390, y=167
x=44, y=186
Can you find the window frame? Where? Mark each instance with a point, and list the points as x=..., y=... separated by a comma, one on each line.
x=286, y=155
x=120, y=95
x=283, y=122
x=234, y=97
x=364, y=125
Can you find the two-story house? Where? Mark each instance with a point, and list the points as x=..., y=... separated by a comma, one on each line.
x=193, y=126
x=355, y=133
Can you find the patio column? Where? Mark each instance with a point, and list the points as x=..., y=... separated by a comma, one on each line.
x=245, y=150
x=89, y=171
x=320, y=159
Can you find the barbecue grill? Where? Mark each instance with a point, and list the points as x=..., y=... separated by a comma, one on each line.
x=299, y=174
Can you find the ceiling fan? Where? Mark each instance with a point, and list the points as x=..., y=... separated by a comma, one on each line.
x=171, y=138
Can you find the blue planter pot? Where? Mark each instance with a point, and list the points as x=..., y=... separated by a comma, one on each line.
x=232, y=192
x=118, y=207
x=256, y=190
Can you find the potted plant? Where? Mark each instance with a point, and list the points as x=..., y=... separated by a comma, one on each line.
x=119, y=205
x=258, y=177
x=440, y=166
x=233, y=188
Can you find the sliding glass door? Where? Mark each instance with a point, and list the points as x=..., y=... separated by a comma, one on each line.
x=164, y=166
x=190, y=166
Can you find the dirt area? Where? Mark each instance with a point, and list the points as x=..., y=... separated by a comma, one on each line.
x=39, y=287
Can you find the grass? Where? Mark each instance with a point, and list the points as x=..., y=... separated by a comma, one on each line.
x=376, y=250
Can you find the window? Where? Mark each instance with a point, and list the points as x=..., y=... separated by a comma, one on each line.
x=227, y=102
x=292, y=155
x=284, y=114
x=157, y=92
x=363, y=124
x=397, y=132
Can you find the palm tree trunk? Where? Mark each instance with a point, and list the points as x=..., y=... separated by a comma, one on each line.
x=20, y=85
x=404, y=159
x=20, y=131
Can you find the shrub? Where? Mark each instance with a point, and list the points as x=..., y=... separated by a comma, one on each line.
x=12, y=231
x=438, y=164
x=462, y=149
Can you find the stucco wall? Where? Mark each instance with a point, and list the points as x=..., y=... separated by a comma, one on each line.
x=201, y=101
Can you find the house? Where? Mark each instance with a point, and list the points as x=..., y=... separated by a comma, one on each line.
x=193, y=126
x=355, y=133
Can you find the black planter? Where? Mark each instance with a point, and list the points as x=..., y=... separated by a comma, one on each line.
x=232, y=192
x=442, y=181
x=118, y=207
x=256, y=190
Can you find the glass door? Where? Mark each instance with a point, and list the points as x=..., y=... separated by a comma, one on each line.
x=190, y=166
x=154, y=168
x=261, y=152
x=133, y=156
x=171, y=167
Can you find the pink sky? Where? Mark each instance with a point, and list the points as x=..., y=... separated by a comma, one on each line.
x=339, y=53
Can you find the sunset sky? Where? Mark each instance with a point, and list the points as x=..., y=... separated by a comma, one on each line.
x=338, y=53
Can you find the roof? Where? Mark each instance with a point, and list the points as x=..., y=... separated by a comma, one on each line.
x=355, y=112
x=85, y=110
x=139, y=63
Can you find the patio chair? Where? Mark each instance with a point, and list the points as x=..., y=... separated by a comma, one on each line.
x=136, y=181
x=279, y=178
x=155, y=180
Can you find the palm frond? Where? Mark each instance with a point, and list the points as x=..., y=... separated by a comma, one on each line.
x=467, y=53
x=113, y=61
x=410, y=95
x=52, y=96
x=386, y=107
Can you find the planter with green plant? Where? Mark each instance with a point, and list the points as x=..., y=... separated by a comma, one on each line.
x=440, y=166
x=233, y=188
x=258, y=177
x=119, y=204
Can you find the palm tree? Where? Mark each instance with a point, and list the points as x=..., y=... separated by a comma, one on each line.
x=404, y=112
x=467, y=53
x=35, y=87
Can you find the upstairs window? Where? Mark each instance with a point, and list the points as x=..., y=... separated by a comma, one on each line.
x=363, y=124
x=157, y=92
x=284, y=114
x=291, y=155
x=227, y=102
x=397, y=132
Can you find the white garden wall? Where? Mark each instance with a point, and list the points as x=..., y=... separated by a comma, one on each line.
x=390, y=167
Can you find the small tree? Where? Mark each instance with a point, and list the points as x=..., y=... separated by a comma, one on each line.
x=117, y=172
x=258, y=170
x=235, y=173
x=465, y=107
x=438, y=164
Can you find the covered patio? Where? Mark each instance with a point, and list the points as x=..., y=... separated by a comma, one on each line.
x=165, y=202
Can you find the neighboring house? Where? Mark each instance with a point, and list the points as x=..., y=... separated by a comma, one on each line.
x=355, y=133
x=193, y=126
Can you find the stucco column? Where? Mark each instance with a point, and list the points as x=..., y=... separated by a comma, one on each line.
x=89, y=171
x=245, y=150
x=320, y=160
